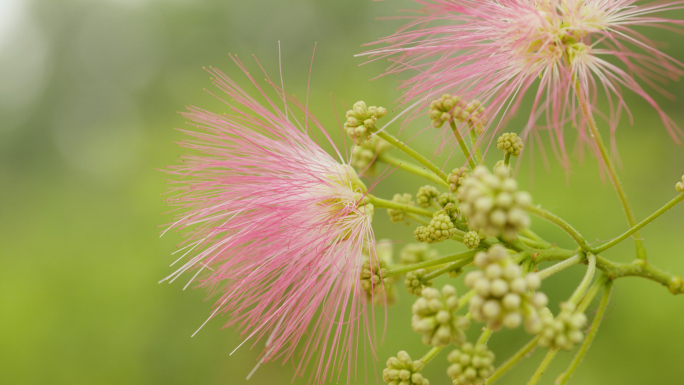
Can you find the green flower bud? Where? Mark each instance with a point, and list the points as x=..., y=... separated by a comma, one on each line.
x=426, y=195
x=360, y=119
x=372, y=271
x=680, y=186
x=472, y=239
x=503, y=297
x=456, y=178
x=415, y=281
x=440, y=228
x=491, y=203
x=401, y=370
x=433, y=316
x=510, y=143
x=564, y=331
x=445, y=109
x=470, y=365
x=398, y=216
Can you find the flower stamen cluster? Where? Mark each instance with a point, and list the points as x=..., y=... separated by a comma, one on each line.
x=433, y=316
x=503, y=296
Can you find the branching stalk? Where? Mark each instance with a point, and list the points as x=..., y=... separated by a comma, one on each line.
x=410, y=152
x=431, y=263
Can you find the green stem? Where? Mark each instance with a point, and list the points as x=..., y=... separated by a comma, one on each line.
x=551, y=270
x=641, y=268
x=543, y=366
x=591, y=293
x=486, y=333
x=431, y=354
x=555, y=254
x=511, y=362
x=462, y=144
x=430, y=263
x=507, y=159
x=586, y=110
x=387, y=204
x=560, y=223
x=532, y=235
x=448, y=268
x=466, y=298
x=413, y=169
x=418, y=219
x=533, y=243
x=473, y=140
x=564, y=377
x=410, y=152
x=586, y=281
x=641, y=224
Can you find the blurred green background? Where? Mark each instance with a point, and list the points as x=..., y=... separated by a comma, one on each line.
x=89, y=91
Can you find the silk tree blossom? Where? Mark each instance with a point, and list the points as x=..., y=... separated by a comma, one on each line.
x=497, y=51
x=278, y=228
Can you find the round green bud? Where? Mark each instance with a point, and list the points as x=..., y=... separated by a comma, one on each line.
x=401, y=370
x=360, y=119
x=433, y=316
x=470, y=365
x=415, y=281
x=456, y=178
x=426, y=195
x=510, y=143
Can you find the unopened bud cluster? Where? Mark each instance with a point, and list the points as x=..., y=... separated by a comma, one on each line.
x=472, y=239
x=503, y=297
x=433, y=316
x=564, y=331
x=426, y=195
x=456, y=178
x=364, y=155
x=491, y=203
x=415, y=281
x=680, y=186
x=440, y=228
x=470, y=365
x=372, y=272
x=360, y=119
x=510, y=143
x=401, y=370
x=450, y=108
x=398, y=216
x=415, y=253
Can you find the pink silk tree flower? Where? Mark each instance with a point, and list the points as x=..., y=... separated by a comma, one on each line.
x=278, y=228
x=495, y=52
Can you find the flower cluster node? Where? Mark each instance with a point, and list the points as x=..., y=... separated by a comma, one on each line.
x=415, y=253
x=398, y=216
x=440, y=228
x=372, y=271
x=680, y=186
x=472, y=239
x=510, y=143
x=433, y=316
x=401, y=370
x=360, y=119
x=447, y=198
x=364, y=156
x=492, y=204
x=415, y=281
x=564, y=331
x=470, y=365
x=503, y=296
x=456, y=178
x=426, y=195
x=450, y=108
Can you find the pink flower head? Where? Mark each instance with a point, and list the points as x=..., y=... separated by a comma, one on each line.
x=278, y=228
x=495, y=51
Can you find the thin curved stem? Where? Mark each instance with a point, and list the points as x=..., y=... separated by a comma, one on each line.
x=388, y=204
x=431, y=263
x=560, y=223
x=403, y=147
x=448, y=268
x=413, y=169
x=589, y=117
x=564, y=377
x=551, y=270
x=431, y=354
x=473, y=139
x=586, y=281
x=484, y=337
x=514, y=360
x=641, y=268
x=591, y=293
x=641, y=224
x=462, y=144
x=543, y=366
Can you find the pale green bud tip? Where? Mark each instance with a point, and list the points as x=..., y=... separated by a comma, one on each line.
x=470, y=365
x=433, y=316
x=360, y=119
x=680, y=186
x=471, y=239
x=510, y=143
x=401, y=370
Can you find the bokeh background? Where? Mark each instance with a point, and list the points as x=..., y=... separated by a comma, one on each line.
x=89, y=94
